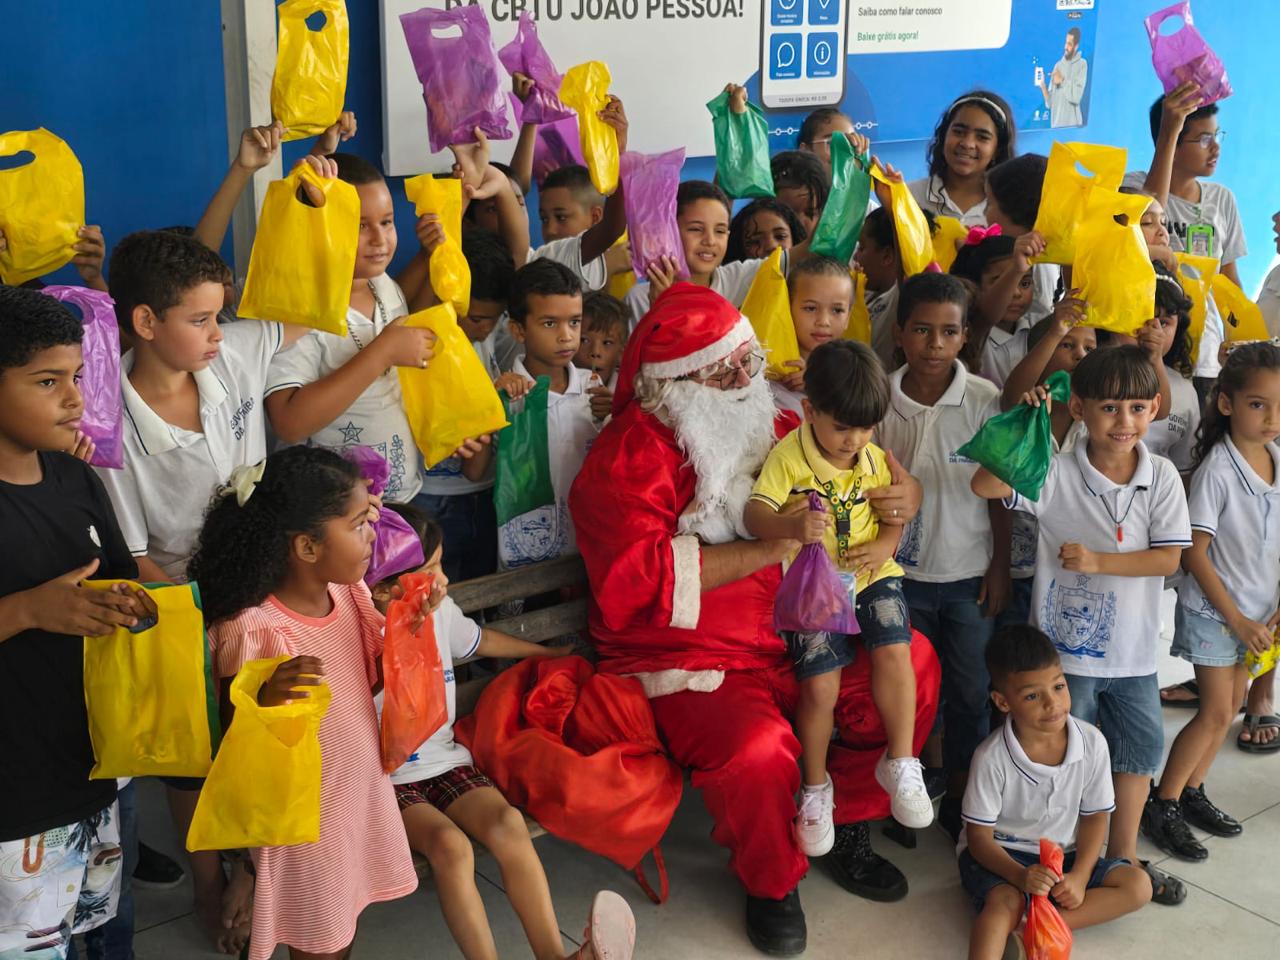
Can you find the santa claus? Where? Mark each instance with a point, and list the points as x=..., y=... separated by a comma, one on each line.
x=684, y=602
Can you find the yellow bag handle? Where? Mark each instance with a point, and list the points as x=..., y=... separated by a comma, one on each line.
x=287, y=721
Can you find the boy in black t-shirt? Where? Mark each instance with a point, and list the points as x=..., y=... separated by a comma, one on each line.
x=57, y=528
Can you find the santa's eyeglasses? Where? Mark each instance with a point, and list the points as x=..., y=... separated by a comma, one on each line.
x=723, y=374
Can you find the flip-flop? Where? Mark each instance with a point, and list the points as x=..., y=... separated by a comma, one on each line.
x=611, y=929
x=1166, y=889
x=1252, y=723
x=1190, y=686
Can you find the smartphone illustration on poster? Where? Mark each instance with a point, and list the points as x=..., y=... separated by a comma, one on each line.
x=802, y=53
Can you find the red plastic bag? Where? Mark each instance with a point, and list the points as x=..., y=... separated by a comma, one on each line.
x=413, y=694
x=1046, y=935
x=649, y=184
x=396, y=548
x=812, y=596
x=462, y=80
x=525, y=54
x=100, y=386
x=1184, y=56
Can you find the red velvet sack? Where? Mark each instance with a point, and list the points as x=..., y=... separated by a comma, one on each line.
x=413, y=694
x=1046, y=935
x=579, y=752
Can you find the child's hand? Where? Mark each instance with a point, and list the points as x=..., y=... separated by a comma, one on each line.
x=601, y=402
x=615, y=116
x=83, y=448
x=1038, y=880
x=737, y=98
x=430, y=232
x=1068, y=892
x=62, y=605
x=522, y=86
x=258, y=145
x=1178, y=104
x=617, y=259
x=91, y=250
x=1252, y=634
x=794, y=378
x=997, y=586
x=1038, y=395
x=1030, y=244
x=515, y=385
x=407, y=346
x=471, y=159
x=810, y=526
x=492, y=181
x=860, y=144
x=661, y=273
x=375, y=504
x=883, y=193
x=324, y=168
x=565, y=650
x=4, y=244
x=1078, y=559
x=286, y=683
x=473, y=445
x=1163, y=253
x=868, y=557
x=1151, y=339
x=899, y=502
x=340, y=132
x=1069, y=312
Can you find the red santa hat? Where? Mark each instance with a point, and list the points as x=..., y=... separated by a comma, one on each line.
x=687, y=328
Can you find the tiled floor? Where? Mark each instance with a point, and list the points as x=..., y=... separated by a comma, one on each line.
x=1230, y=911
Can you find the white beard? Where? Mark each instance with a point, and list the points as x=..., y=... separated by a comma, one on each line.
x=726, y=435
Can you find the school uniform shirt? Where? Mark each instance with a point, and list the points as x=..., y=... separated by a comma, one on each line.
x=170, y=473
x=882, y=309
x=446, y=479
x=376, y=419
x=1103, y=626
x=1003, y=351
x=49, y=529
x=547, y=532
x=1175, y=436
x=1235, y=506
x=1269, y=302
x=594, y=274
x=1024, y=800
x=950, y=538
x=458, y=638
x=931, y=195
x=731, y=280
x=1024, y=530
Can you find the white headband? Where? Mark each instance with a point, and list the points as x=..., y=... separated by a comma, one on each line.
x=1004, y=120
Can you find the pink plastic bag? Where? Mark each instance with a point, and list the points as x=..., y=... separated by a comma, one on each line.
x=102, y=420
x=396, y=548
x=462, y=79
x=558, y=145
x=525, y=54
x=649, y=184
x=812, y=596
x=1183, y=56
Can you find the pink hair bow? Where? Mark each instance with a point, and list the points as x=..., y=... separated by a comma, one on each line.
x=978, y=234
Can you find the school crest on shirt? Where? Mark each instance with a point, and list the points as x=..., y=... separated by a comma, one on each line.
x=1079, y=620
x=1022, y=542
x=909, y=548
x=540, y=534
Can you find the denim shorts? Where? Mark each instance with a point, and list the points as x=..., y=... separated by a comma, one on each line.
x=1204, y=641
x=1127, y=709
x=978, y=881
x=815, y=653
x=882, y=616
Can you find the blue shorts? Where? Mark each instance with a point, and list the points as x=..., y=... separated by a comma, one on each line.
x=1204, y=641
x=882, y=616
x=978, y=881
x=1127, y=709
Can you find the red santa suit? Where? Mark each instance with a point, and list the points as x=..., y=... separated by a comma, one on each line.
x=722, y=689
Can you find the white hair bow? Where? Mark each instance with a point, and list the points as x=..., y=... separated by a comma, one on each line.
x=244, y=479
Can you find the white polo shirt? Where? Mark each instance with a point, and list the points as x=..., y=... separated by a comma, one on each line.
x=1231, y=503
x=1024, y=530
x=1175, y=436
x=170, y=473
x=882, y=310
x=376, y=419
x=458, y=637
x=1003, y=351
x=594, y=274
x=931, y=195
x=950, y=538
x=1024, y=800
x=1103, y=626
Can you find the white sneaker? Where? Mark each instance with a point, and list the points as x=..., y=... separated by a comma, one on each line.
x=815, y=831
x=903, y=780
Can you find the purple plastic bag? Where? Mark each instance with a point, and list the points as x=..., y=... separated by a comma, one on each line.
x=525, y=54
x=462, y=79
x=1184, y=56
x=649, y=184
x=812, y=596
x=102, y=420
x=396, y=548
x=558, y=144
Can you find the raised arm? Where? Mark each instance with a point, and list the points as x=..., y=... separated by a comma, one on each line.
x=522, y=158
x=258, y=146
x=1024, y=377
x=605, y=234
x=1179, y=103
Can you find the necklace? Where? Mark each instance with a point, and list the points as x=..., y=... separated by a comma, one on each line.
x=1119, y=521
x=381, y=310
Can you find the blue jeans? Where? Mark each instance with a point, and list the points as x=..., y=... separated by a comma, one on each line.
x=951, y=617
x=114, y=939
x=978, y=881
x=1018, y=612
x=1127, y=709
x=470, y=528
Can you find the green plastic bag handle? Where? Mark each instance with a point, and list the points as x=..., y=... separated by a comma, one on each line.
x=742, y=149
x=837, y=232
x=1017, y=445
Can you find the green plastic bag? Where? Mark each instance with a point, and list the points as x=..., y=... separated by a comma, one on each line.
x=523, y=474
x=1017, y=445
x=742, y=149
x=841, y=224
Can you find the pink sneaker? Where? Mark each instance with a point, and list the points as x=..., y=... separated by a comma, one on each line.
x=611, y=930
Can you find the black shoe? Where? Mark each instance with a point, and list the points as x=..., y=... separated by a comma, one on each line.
x=1200, y=812
x=949, y=818
x=860, y=870
x=1163, y=823
x=935, y=781
x=154, y=869
x=777, y=927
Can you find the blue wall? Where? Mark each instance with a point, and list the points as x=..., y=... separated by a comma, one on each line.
x=136, y=88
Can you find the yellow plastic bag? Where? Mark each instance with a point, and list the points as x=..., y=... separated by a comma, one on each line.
x=859, y=316
x=1112, y=267
x=310, y=82
x=950, y=233
x=585, y=88
x=41, y=205
x=153, y=707
x=1196, y=274
x=453, y=399
x=915, y=244
x=620, y=284
x=304, y=257
x=450, y=274
x=768, y=308
x=1066, y=190
x=264, y=787
x=1241, y=318
x=1259, y=663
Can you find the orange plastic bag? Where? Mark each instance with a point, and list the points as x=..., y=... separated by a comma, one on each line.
x=768, y=308
x=1075, y=170
x=304, y=257
x=915, y=243
x=859, y=316
x=1241, y=318
x=1046, y=935
x=946, y=241
x=1196, y=274
x=413, y=693
x=448, y=269
x=1112, y=267
x=41, y=205
x=310, y=82
x=586, y=90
